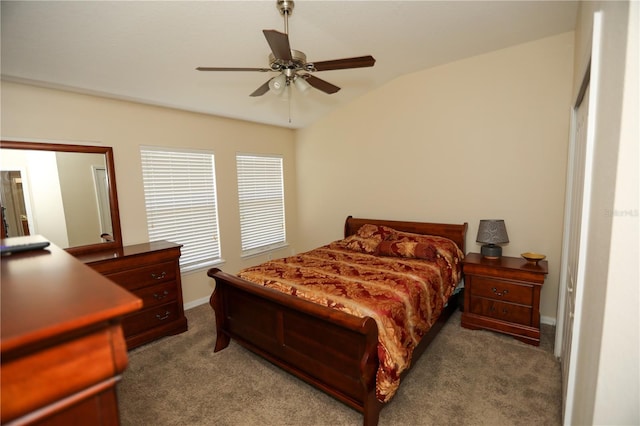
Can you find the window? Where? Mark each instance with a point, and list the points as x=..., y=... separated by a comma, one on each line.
x=180, y=198
x=261, y=199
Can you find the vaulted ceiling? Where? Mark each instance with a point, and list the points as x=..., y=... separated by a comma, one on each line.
x=147, y=51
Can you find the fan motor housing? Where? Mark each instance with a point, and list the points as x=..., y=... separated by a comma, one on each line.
x=297, y=62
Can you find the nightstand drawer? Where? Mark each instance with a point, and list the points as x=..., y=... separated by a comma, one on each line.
x=501, y=290
x=500, y=310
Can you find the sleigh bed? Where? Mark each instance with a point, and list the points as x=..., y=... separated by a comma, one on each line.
x=298, y=312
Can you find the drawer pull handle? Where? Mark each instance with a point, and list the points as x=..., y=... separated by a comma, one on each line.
x=499, y=293
x=160, y=296
x=158, y=276
x=163, y=317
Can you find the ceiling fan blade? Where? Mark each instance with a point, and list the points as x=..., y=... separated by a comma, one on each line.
x=341, y=64
x=232, y=69
x=320, y=84
x=261, y=90
x=279, y=44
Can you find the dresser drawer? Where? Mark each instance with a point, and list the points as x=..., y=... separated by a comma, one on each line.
x=501, y=290
x=158, y=294
x=149, y=318
x=151, y=271
x=145, y=276
x=500, y=310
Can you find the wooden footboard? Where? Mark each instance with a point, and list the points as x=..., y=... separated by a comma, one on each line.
x=332, y=350
x=329, y=349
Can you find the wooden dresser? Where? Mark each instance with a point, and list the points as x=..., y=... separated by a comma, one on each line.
x=151, y=271
x=503, y=295
x=62, y=346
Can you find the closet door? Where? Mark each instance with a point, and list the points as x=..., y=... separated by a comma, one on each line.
x=573, y=271
x=576, y=226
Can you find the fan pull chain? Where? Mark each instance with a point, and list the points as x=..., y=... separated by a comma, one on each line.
x=289, y=88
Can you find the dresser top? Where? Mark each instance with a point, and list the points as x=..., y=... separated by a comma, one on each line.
x=128, y=251
x=47, y=293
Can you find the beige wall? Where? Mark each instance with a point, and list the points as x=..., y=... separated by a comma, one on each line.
x=607, y=372
x=41, y=114
x=485, y=137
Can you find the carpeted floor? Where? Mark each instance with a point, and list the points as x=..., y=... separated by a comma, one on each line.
x=464, y=378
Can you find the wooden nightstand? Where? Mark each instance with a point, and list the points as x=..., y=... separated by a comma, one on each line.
x=503, y=295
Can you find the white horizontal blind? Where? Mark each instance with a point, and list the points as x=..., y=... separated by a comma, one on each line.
x=261, y=199
x=180, y=198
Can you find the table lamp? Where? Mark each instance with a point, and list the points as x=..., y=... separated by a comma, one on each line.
x=490, y=233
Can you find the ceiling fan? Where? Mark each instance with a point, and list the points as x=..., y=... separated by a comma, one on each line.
x=292, y=65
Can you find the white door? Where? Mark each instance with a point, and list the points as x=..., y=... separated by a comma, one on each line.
x=577, y=212
x=577, y=158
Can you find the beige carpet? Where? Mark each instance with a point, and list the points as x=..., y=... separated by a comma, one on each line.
x=464, y=378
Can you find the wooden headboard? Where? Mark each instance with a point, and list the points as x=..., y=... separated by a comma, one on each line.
x=456, y=233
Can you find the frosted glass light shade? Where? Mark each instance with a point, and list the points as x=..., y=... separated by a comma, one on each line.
x=301, y=84
x=277, y=84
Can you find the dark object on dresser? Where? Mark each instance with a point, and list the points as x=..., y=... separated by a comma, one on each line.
x=343, y=360
x=503, y=295
x=62, y=346
x=151, y=271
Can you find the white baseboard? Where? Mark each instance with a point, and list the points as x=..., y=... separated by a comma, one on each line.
x=548, y=320
x=195, y=303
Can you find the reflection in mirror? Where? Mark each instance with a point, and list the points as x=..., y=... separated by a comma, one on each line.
x=14, y=211
x=64, y=192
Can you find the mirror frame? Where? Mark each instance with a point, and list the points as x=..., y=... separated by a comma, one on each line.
x=113, y=194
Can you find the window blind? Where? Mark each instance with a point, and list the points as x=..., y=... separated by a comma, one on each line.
x=261, y=202
x=180, y=199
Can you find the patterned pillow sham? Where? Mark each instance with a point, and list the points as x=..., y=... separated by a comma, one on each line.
x=410, y=249
x=443, y=244
x=369, y=231
x=385, y=241
x=433, y=248
x=367, y=238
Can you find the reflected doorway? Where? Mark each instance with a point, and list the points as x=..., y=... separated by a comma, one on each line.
x=15, y=220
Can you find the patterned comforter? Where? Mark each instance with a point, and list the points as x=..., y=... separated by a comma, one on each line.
x=401, y=280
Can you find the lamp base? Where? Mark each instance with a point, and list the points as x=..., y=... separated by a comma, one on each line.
x=491, y=251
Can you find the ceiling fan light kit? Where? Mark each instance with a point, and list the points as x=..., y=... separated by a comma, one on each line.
x=277, y=84
x=292, y=65
x=301, y=84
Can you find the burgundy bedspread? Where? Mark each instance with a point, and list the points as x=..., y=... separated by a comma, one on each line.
x=400, y=280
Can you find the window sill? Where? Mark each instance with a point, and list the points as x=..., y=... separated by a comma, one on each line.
x=263, y=251
x=202, y=267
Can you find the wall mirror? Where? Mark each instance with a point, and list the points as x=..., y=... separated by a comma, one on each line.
x=66, y=193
